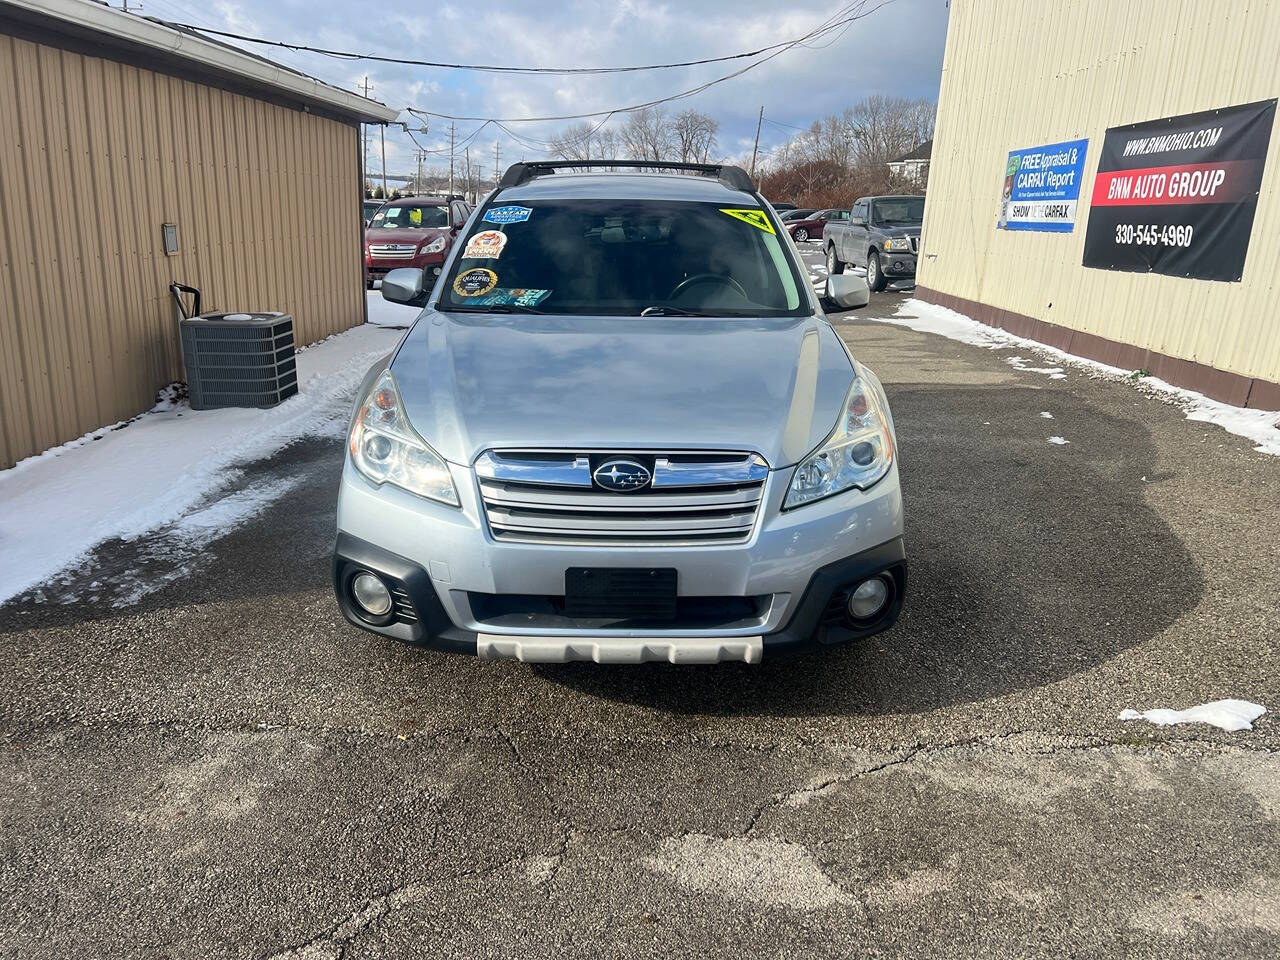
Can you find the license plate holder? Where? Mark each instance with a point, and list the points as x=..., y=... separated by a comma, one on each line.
x=620, y=593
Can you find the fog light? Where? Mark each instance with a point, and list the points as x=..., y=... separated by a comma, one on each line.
x=371, y=594
x=435, y=271
x=868, y=598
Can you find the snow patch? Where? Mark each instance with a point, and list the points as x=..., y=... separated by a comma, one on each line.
x=772, y=872
x=58, y=505
x=1021, y=363
x=180, y=551
x=1229, y=715
x=1046, y=414
x=1061, y=441
x=1262, y=427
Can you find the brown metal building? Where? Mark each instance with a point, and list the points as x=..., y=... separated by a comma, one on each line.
x=113, y=126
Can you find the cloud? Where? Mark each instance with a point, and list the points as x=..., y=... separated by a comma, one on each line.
x=895, y=50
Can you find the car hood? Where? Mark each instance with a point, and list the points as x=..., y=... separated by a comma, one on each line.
x=403, y=234
x=912, y=231
x=476, y=382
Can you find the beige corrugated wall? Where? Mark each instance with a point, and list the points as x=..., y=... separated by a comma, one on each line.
x=1018, y=74
x=94, y=157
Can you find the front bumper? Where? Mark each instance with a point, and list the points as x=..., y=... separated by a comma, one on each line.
x=431, y=263
x=453, y=580
x=897, y=264
x=816, y=619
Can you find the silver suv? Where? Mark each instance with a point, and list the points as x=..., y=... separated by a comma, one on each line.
x=621, y=430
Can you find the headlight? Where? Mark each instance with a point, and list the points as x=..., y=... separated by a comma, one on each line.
x=386, y=449
x=858, y=453
x=433, y=246
x=898, y=243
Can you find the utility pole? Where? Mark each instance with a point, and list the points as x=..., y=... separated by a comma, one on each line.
x=497, y=172
x=756, y=148
x=466, y=190
x=384, y=159
x=365, y=87
x=451, y=159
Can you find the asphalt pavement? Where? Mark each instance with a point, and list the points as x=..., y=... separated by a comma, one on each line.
x=199, y=757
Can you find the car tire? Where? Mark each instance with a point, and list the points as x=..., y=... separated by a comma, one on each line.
x=834, y=263
x=875, y=276
x=800, y=235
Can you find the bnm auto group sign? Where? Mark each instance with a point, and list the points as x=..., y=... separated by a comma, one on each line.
x=1177, y=196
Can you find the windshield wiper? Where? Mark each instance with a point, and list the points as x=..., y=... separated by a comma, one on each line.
x=495, y=308
x=670, y=312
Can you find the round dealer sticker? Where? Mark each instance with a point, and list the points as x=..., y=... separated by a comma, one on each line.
x=485, y=244
x=475, y=283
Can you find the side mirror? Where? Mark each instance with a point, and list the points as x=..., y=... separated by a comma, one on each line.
x=405, y=285
x=845, y=290
x=858, y=221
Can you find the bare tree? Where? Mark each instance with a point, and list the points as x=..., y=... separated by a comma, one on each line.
x=846, y=156
x=695, y=135
x=578, y=142
x=607, y=143
x=648, y=135
x=585, y=141
x=886, y=127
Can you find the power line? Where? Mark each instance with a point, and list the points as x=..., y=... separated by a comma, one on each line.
x=692, y=91
x=499, y=68
x=789, y=126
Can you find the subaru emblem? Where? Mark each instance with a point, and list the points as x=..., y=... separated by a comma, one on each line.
x=622, y=476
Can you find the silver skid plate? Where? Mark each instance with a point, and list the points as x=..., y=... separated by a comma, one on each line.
x=620, y=649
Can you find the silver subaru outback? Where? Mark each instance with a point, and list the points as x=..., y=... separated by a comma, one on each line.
x=621, y=430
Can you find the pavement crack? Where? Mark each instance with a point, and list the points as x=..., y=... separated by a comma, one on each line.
x=563, y=823
x=332, y=944
x=1001, y=741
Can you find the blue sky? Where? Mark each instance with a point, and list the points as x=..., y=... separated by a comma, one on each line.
x=896, y=50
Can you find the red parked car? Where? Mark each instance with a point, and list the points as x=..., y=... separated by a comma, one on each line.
x=413, y=232
x=810, y=228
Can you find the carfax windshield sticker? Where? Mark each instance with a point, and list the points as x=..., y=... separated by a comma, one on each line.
x=487, y=244
x=752, y=215
x=1042, y=187
x=514, y=296
x=475, y=283
x=507, y=214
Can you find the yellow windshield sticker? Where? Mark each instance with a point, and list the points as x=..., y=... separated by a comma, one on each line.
x=752, y=215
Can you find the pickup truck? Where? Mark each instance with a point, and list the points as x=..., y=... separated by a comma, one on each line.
x=882, y=234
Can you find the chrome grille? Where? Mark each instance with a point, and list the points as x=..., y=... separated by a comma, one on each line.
x=537, y=496
x=391, y=251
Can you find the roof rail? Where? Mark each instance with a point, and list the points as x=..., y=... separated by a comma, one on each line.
x=735, y=178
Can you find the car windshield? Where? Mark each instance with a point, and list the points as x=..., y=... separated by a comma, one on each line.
x=898, y=210
x=624, y=258
x=412, y=215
